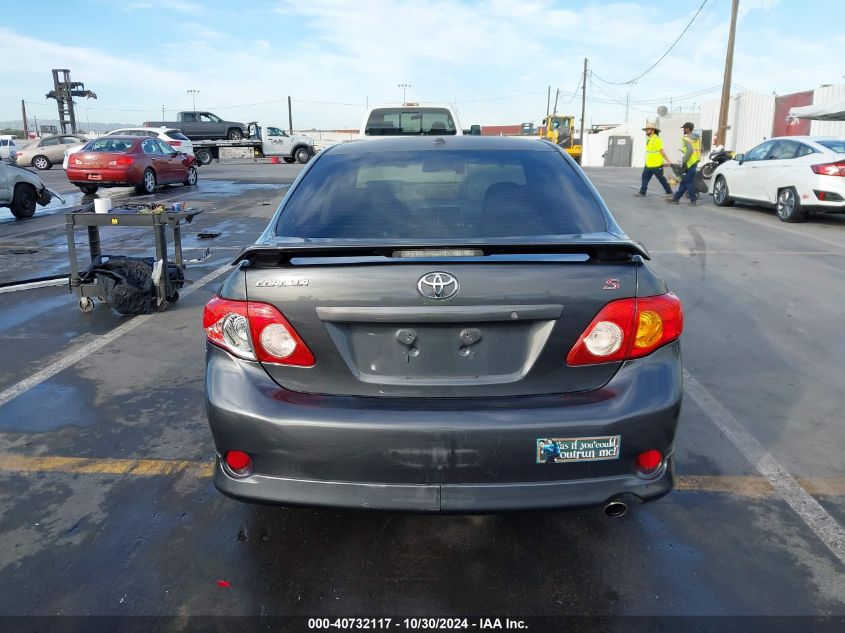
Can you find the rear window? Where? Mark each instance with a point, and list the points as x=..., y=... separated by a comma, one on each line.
x=441, y=194
x=836, y=145
x=406, y=122
x=106, y=144
x=176, y=134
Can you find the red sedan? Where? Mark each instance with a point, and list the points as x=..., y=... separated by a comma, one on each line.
x=129, y=161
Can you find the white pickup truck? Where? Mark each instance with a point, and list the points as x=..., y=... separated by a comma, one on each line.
x=21, y=190
x=413, y=119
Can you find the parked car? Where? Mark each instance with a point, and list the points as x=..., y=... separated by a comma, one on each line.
x=795, y=175
x=423, y=317
x=46, y=152
x=21, y=190
x=124, y=161
x=7, y=146
x=174, y=138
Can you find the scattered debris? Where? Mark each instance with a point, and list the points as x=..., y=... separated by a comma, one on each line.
x=263, y=203
x=205, y=255
x=223, y=583
x=207, y=234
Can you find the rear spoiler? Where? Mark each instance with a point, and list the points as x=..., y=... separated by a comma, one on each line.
x=281, y=255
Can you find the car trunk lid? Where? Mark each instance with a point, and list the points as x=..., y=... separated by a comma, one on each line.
x=504, y=321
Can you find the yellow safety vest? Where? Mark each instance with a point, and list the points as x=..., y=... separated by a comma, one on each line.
x=696, y=150
x=653, y=147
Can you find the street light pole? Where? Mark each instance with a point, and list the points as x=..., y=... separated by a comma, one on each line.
x=194, y=94
x=404, y=87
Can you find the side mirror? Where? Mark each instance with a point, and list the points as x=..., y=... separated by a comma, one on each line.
x=475, y=130
x=740, y=158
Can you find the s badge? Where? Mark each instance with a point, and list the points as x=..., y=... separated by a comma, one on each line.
x=612, y=284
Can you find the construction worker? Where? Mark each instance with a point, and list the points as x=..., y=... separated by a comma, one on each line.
x=691, y=147
x=655, y=160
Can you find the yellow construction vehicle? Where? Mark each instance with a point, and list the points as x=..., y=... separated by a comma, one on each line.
x=560, y=130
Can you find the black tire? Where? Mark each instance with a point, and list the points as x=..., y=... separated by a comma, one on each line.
x=23, y=201
x=708, y=169
x=721, y=193
x=89, y=189
x=235, y=134
x=191, y=178
x=302, y=155
x=789, y=206
x=203, y=156
x=41, y=162
x=149, y=182
x=290, y=160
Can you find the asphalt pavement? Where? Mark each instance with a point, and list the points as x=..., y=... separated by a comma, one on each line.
x=108, y=507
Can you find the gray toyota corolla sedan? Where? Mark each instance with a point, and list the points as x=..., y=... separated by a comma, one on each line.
x=444, y=325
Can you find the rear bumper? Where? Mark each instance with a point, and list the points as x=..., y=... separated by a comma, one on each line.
x=442, y=497
x=108, y=177
x=441, y=455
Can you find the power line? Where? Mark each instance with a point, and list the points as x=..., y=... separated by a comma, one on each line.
x=503, y=98
x=662, y=57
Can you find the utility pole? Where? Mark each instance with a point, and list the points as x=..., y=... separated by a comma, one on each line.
x=726, y=82
x=162, y=112
x=583, y=102
x=557, y=94
x=404, y=87
x=290, y=118
x=548, y=102
x=25, y=124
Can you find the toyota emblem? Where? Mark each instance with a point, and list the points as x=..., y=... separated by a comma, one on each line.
x=438, y=286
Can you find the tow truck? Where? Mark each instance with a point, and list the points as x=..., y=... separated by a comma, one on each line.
x=265, y=141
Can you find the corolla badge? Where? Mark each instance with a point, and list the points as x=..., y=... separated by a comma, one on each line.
x=438, y=286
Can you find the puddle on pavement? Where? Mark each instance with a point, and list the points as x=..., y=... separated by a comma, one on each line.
x=233, y=188
x=49, y=406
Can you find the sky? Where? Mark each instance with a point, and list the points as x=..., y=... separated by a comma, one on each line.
x=494, y=60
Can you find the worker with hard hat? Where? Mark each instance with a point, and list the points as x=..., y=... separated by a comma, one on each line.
x=691, y=147
x=655, y=160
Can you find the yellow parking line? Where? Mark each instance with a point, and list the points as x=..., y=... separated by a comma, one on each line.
x=745, y=486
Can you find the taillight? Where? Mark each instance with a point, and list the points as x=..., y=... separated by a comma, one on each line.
x=121, y=161
x=829, y=169
x=629, y=328
x=174, y=143
x=255, y=331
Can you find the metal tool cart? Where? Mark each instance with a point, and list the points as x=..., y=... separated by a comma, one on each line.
x=165, y=290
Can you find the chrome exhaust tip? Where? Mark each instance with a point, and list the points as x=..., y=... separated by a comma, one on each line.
x=616, y=508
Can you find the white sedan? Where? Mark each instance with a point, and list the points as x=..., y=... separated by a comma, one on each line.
x=174, y=138
x=793, y=174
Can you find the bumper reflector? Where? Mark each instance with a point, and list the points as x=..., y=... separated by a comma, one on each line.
x=239, y=463
x=649, y=461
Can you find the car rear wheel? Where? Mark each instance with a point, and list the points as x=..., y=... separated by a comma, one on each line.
x=148, y=182
x=23, y=201
x=191, y=177
x=789, y=206
x=203, y=156
x=721, y=193
x=41, y=162
x=89, y=189
x=289, y=160
x=302, y=155
x=235, y=134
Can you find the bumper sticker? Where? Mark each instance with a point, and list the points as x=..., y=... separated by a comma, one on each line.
x=578, y=449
